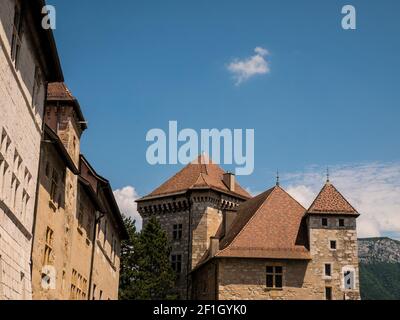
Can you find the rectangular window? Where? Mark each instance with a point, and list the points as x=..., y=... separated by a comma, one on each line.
x=114, y=250
x=105, y=233
x=3, y=174
x=324, y=222
x=14, y=191
x=341, y=223
x=333, y=245
x=274, y=277
x=94, y=292
x=328, y=293
x=54, y=186
x=176, y=260
x=78, y=286
x=48, y=249
x=16, y=35
x=328, y=270
x=36, y=87
x=177, y=232
x=80, y=215
x=349, y=280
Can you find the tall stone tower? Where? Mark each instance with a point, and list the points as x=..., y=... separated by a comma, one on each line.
x=64, y=116
x=333, y=245
x=190, y=207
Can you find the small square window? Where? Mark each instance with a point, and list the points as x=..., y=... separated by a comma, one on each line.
x=333, y=245
x=341, y=223
x=328, y=270
x=324, y=222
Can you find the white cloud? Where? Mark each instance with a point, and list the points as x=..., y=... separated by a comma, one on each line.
x=125, y=198
x=373, y=189
x=243, y=70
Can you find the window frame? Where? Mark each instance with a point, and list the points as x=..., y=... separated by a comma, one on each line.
x=16, y=36
x=176, y=263
x=177, y=232
x=328, y=270
x=328, y=293
x=272, y=272
x=48, y=248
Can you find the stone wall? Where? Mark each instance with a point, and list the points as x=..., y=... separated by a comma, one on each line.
x=200, y=216
x=241, y=278
x=204, y=281
x=245, y=279
x=345, y=257
x=20, y=125
x=54, y=215
x=107, y=258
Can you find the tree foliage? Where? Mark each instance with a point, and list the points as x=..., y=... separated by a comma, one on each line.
x=146, y=272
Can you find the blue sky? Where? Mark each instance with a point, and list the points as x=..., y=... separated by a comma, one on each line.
x=331, y=97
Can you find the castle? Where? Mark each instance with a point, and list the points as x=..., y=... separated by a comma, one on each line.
x=228, y=245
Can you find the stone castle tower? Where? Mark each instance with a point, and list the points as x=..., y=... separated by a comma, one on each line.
x=64, y=116
x=191, y=207
x=331, y=222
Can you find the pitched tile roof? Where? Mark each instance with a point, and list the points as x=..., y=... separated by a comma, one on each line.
x=200, y=174
x=58, y=91
x=270, y=225
x=331, y=201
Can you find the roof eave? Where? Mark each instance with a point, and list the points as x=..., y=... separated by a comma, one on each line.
x=331, y=213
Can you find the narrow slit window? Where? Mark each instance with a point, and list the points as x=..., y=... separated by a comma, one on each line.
x=328, y=270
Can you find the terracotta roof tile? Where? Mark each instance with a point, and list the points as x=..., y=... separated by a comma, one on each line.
x=270, y=225
x=201, y=173
x=59, y=91
x=331, y=201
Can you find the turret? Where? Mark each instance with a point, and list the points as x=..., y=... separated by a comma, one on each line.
x=64, y=116
x=331, y=221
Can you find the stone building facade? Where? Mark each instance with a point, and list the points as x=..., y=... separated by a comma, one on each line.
x=28, y=61
x=190, y=207
x=78, y=226
x=266, y=247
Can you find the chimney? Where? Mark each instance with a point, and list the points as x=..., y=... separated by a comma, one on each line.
x=229, y=180
x=214, y=246
x=229, y=217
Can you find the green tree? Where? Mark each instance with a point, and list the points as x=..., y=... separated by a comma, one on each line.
x=128, y=266
x=146, y=272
